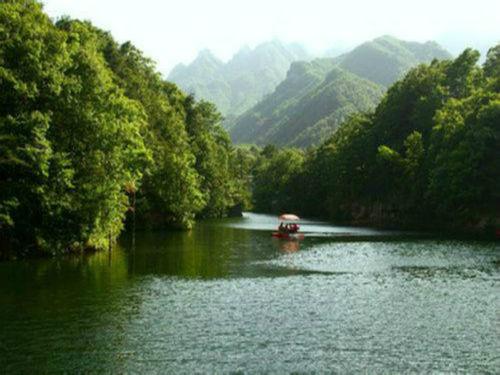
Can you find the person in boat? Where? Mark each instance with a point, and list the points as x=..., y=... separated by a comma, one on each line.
x=282, y=228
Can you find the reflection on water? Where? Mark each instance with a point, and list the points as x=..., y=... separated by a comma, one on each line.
x=252, y=221
x=227, y=297
x=287, y=246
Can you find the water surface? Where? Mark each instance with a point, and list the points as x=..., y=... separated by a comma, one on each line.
x=227, y=297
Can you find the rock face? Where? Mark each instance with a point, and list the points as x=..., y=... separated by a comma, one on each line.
x=240, y=83
x=317, y=96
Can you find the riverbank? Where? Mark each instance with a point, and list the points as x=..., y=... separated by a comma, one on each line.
x=362, y=218
x=391, y=217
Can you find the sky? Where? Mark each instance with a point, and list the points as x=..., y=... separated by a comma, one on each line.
x=171, y=32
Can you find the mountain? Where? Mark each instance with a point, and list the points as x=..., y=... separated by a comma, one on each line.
x=317, y=96
x=204, y=78
x=386, y=59
x=240, y=83
x=307, y=106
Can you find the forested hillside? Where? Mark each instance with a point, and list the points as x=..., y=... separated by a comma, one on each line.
x=304, y=109
x=91, y=137
x=91, y=134
x=386, y=59
x=317, y=96
x=244, y=80
x=428, y=156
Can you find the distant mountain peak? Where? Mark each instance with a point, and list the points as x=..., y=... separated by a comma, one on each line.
x=207, y=55
x=178, y=69
x=385, y=59
x=318, y=95
x=387, y=37
x=244, y=50
x=240, y=83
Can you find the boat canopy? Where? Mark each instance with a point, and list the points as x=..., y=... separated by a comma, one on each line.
x=289, y=217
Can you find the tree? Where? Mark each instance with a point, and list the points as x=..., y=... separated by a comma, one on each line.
x=211, y=147
x=170, y=192
x=492, y=64
x=273, y=187
x=463, y=183
x=74, y=137
x=427, y=156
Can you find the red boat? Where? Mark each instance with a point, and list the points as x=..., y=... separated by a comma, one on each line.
x=288, y=228
x=288, y=236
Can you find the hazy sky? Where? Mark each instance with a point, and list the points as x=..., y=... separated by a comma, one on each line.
x=173, y=31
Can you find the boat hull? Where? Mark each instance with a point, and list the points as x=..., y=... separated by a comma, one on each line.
x=288, y=236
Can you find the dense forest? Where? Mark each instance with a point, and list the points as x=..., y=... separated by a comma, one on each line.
x=90, y=136
x=427, y=156
x=317, y=96
x=93, y=139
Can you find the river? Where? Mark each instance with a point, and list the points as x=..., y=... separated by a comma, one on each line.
x=226, y=297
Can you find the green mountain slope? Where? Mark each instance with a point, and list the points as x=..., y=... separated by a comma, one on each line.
x=426, y=158
x=316, y=96
x=244, y=80
x=311, y=102
x=386, y=59
x=204, y=78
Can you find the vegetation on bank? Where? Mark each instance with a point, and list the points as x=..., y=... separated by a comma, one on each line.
x=90, y=133
x=427, y=156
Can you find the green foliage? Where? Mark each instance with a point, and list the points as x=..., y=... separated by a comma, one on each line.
x=464, y=161
x=492, y=68
x=337, y=172
x=243, y=162
x=274, y=184
x=492, y=63
x=463, y=74
x=72, y=140
x=305, y=108
x=86, y=124
x=212, y=150
x=386, y=59
x=171, y=188
x=427, y=156
x=317, y=96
